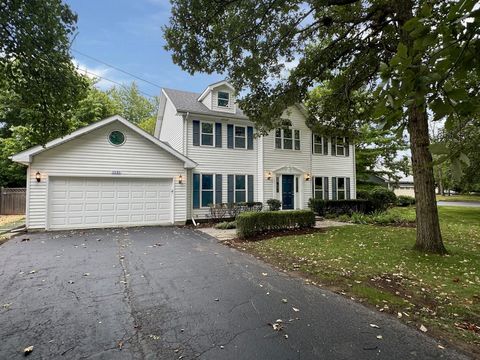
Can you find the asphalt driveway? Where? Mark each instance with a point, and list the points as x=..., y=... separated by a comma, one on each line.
x=175, y=293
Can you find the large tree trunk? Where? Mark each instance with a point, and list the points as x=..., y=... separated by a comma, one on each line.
x=429, y=237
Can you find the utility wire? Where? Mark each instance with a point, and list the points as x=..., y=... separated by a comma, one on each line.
x=116, y=68
x=112, y=81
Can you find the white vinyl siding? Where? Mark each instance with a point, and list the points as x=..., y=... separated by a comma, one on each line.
x=91, y=155
x=230, y=108
x=172, y=127
x=224, y=161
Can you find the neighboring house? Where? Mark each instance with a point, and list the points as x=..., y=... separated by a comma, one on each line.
x=204, y=151
x=405, y=186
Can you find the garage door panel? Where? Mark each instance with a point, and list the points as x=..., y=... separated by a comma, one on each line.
x=92, y=202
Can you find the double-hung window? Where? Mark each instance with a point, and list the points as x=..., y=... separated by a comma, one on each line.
x=207, y=133
x=340, y=150
x=318, y=188
x=318, y=144
x=240, y=137
x=287, y=139
x=223, y=99
x=207, y=189
x=240, y=188
x=341, y=188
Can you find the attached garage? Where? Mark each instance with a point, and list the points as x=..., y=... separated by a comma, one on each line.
x=108, y=174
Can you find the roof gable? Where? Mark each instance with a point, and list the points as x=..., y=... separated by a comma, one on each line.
x=25, y=157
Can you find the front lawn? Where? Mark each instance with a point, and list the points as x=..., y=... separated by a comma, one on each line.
x=467, y=198
x=376, y=264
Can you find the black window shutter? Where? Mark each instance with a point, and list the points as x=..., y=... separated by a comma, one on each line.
x=325, y=188
x=196, y=133
x=230, y=136
x=334, y=144
x=196, y=191
x=230, y=180
x=347, y=147
x=218, y=188
x=325, y=145
x=347, y=185
x=334, y=188
x=250, y=188
x=250, y=138
x=218, y=135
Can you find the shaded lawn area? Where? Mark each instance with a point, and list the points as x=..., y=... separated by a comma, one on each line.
x=376, y=265
x=467, y=198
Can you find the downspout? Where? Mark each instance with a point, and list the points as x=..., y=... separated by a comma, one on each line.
x=185, y=146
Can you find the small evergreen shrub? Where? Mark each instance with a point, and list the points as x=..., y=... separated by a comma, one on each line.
x=231, y=210
x=340, y=207
x=252, y=223
x=404, y=200
x=382, y=198
x=317, y=206
x=274, y=204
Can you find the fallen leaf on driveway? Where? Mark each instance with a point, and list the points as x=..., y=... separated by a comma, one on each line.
x=25, y=239
x=423, y=328
x=6, y=306
x=71, y=282
x=27, y=350
x=286, y=336
x=399, y=315
x=120, y=344
x=86, y=274
x=295, y=309
x=277, y=325
x=264, y=274
x=375, y=326
x=217, y=299
x=32, y=272
x=441, y=347
x=380, y=337
x=284, y=301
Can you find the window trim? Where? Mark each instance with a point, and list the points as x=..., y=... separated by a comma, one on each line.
x=342, y=147
x=293, y=139
x=235, y=136
x=322, y=190
x=218, y=99
x=201, y=190
x=245, y=190
x=119, y=131
x=322, y=144
x=201, y=133
x=344, y=187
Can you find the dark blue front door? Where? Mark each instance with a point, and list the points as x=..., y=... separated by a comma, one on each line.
x=287, y=192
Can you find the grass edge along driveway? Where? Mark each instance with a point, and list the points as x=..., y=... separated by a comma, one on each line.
x=376, y=265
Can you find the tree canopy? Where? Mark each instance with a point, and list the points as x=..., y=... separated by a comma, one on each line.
x=413, y=56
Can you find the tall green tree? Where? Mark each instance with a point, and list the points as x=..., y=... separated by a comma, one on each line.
x=36, y=70
x=413, y=55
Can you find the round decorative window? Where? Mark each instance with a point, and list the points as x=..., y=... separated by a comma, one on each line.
x=116, y=137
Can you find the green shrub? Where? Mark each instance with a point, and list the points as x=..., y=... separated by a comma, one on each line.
x=225, y=225
x=231, y=210
x=317, y=206
x=404, y=200
x=363, y=194
x=274, y=204
x=382, y=198
x=251, y=223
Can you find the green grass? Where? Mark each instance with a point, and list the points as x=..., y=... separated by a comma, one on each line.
x=377, y=265
x=467, y=198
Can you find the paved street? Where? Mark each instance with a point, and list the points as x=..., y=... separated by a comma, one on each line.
x=170, y=293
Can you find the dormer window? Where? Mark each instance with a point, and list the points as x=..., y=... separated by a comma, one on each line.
x=223, y=98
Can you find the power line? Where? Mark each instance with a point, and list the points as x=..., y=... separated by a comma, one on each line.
x=112, y=81
x=116, y=68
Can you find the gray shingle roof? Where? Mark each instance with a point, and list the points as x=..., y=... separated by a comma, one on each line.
x=186, y=101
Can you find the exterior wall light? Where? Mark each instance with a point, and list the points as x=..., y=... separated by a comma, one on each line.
x=180, y=179
x=307, y=177
x=269, y=175
x=38, y=176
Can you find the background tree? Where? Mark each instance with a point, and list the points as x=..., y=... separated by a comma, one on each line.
x=411, y=55
x=41, y=82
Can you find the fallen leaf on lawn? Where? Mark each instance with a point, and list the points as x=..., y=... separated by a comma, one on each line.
x=375, y=326
x=380, y=337
x=441, y=347
x=264, y=274
x=27, y=350
x=284, y=301
x=399, y=315
x=423, y=328
x=295, y=309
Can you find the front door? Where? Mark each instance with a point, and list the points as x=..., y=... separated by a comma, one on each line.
x=288, y=195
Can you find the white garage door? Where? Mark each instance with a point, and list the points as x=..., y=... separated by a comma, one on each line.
x=106, y=202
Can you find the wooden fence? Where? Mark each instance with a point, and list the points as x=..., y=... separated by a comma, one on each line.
x=13, y=201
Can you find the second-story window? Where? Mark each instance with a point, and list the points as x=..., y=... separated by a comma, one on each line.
x=207, y=134
x=287, y=139
x=240, y=137
x=318, y=144
x=223, y=99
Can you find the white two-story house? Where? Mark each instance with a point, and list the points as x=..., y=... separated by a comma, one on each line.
x=234, y=165
x=204, y=151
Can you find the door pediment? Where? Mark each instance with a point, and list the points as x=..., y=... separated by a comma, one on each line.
x=289, y=169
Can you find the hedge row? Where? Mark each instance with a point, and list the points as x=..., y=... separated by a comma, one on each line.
x=341, y=207
x=251, y=223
